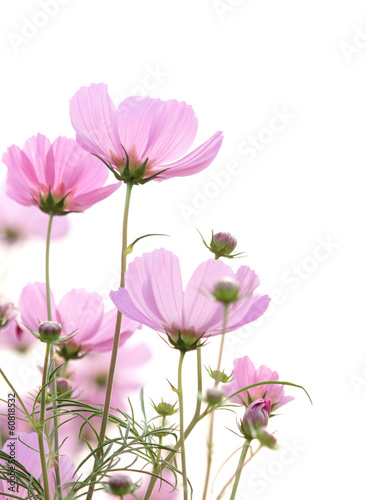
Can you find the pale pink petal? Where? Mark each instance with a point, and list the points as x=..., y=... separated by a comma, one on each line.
x=82, y=312
x=76, y=168
x=103, y=340
x=21, y=176
x=162, y=290
x=33, y=306
x=38, y=150
x=194, y=162
x=94, y=118
x=200, y=311
x=135, y=115
x=122, y=300
x=83, y=201
x=172, y=132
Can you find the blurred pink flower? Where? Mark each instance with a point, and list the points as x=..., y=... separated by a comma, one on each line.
x=26, y=450
x=79, y=311
x=61, y=176
x=244, y=374
x=146, y=129
x=88, y=377
x=154, y=296
x=18, y=223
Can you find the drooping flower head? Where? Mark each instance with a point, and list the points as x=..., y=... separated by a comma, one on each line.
x=78, y=311
x=154, y=296
x=60, y=177
x=24, y=448
x=18, y=223
x=244, y=374
x=143, y=138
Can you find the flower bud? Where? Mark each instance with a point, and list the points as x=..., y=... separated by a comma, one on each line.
x=49, y=331
x=165, y=409
x=214, y=395
x=267, y=439
x=226, y=290
x=7, y=312
x=256, y=417
x=223, y=244
x=120, y=484
x=64, y=387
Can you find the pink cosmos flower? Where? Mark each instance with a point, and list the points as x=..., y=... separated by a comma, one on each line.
x=143, y=130
x=78, y=311
x=244, y=374
x=18, y=223
x=154, y=296
x=26, y=451
x=61, y=176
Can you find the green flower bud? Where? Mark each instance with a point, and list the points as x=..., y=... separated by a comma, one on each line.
x=214, y=395
x=49, y=331
x=120, y=484
x=226, y=290
x=64, y=387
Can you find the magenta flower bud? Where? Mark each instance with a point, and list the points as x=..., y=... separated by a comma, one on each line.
x=120, y=484
x=7, y=312
x=64, y=387
x=256, y=417
x=214, y=395
x=49, y=331
x=223, y=244
x=226, y=290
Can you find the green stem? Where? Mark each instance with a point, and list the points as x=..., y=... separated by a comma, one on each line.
x=181, y=425
x=156, y=467
x=195, y=419
x=55, y=444
x=240, y=468
x=212, y=417
x=41, y=430
x=117, y=332
x=48, y=286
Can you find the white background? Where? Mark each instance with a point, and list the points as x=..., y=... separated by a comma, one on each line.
x=295, y=203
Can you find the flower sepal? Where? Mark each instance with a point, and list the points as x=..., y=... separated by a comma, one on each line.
x=184, y=341
x=51, y=205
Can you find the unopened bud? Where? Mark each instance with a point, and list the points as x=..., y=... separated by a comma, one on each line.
x=256, y=417
x=49, y=331
x=267, y=439
x=120, y=484
x=223, y=244
x=64, y=387
x=165, y=409
x=214, y=395
x=226, y=290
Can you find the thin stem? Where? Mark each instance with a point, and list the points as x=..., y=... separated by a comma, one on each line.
x=224, y=326
x=48, y=286
x=41, y=432
x=117, y=332
x=156, y=465
x=199, y=384
x=181, y=425
x=240, y=468
x=195, y=419
x=212, y=417
x=227, y=484
x=55, y=438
